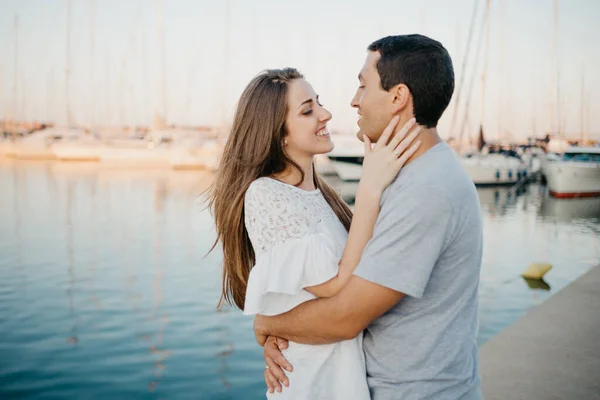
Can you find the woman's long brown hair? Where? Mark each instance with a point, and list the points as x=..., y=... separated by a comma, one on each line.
x=254, y=149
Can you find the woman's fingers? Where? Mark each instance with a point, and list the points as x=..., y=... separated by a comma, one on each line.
x=277, y=372
x=273, y=349
x=387, y=132
x=267, y=377
x=272, y=382
x=408, y=153
x=402, y=133
x=405, y=143
x=367, y=143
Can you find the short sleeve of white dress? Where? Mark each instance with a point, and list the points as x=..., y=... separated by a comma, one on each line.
x=293, y=249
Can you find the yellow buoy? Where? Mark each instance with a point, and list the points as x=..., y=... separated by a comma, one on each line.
x=536, y=270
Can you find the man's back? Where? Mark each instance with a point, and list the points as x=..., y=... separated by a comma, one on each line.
x=427, y=244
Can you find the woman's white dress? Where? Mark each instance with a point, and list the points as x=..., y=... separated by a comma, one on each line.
x=298, y=242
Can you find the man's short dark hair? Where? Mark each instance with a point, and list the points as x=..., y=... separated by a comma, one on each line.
x=423, y=65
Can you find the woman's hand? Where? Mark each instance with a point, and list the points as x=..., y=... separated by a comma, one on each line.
x=275, y=363
x=383, y=162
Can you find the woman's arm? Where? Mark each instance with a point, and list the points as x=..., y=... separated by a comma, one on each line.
x=365, y=215
x=380, y=167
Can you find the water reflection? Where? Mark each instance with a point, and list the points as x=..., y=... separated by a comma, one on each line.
x=498, y=200
x=537, y=284
x=566, y=210
x=158, y=316
x=73, y=338
x=226, y=346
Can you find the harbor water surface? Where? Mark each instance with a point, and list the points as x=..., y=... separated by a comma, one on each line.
x=107, y=291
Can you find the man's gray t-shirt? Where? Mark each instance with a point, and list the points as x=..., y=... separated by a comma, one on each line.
x=427, y=244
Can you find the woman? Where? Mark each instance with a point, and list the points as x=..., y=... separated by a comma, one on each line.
x=287, y=236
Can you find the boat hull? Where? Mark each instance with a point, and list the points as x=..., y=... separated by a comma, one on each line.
x=7, y=148
x=26, y=151
x=76, y=152
x=324, y=166
x=569, y=179
x=206, y=157
x=136, y=157
x=493, y=170
x=347, y=168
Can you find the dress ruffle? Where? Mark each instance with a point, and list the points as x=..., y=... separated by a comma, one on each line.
x=280, y=274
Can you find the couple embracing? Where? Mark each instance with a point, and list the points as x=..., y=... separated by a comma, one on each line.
x=379, y=303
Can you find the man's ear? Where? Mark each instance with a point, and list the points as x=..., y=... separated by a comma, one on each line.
x=401, y=97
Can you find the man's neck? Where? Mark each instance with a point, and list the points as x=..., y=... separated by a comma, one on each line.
x=429, y=137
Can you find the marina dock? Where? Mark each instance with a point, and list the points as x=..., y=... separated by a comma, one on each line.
x=552, y=352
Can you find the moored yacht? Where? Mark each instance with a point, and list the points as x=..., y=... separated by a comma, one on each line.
x=39, y=145
x=575, y=174
x=494, y=168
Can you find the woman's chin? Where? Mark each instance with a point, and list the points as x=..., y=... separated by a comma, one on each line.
x=327, y=149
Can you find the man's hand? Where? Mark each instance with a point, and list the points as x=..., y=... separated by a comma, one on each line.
x=275, y=362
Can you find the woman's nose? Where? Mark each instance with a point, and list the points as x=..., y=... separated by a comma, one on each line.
x=325, y=114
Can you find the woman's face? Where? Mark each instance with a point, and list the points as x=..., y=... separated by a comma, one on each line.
x=306, y=122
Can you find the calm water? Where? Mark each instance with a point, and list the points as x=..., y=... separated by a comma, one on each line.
x=105, y=290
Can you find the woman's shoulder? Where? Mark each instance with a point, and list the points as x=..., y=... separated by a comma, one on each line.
x=269, y=187
x=276, y=197
x=263, y=185
x=268, y=195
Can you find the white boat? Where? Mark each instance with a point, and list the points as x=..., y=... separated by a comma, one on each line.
x=575, y=174
x=154, y=151
x=545, y=160
x=347, y=157
x=534, y=158
x=207, y=156
x=80, y=148
x=324, y=166
x=39, y=145
x=494, y=169
x=6, y=148
x=134, y=152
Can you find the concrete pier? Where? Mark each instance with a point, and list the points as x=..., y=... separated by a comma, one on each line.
x=553, y=352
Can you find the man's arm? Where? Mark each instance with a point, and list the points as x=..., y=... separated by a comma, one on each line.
x=329, y=320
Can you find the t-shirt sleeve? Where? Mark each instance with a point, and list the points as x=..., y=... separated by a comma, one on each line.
x=409, y=237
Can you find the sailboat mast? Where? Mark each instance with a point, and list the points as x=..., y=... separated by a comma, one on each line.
x=68, y=65
x=163, y=63
x=581, y=128
x=463, y=70
x=3, y=131
x=16, y=78
x=225, y=64
x=501, y=99
x=49, y=94
x=92, y=84
x=587, y=116
x=144, y=88
x=533, y=111
x=485, y=59
x=557, y=76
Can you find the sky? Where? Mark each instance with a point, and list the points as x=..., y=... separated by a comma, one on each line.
x=212, y=49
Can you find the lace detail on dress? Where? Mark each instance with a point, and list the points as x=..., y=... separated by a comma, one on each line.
x=275, y=212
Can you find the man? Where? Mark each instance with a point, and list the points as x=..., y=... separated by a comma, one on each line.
x=414, y=292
